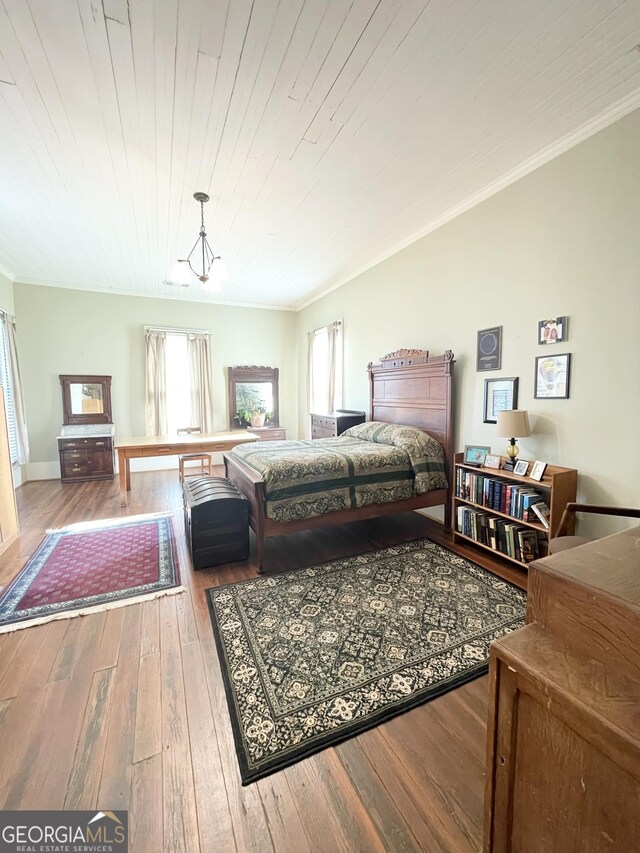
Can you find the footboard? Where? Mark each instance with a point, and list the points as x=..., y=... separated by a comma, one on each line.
x=251, y=485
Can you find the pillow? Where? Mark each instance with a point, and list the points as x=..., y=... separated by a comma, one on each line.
x=425, y=453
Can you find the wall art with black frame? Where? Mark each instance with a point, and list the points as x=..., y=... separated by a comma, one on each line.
x=500, y=394
x=489, y=349
x=552, y=376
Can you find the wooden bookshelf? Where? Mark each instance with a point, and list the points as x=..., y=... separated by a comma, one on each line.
x=557, y=487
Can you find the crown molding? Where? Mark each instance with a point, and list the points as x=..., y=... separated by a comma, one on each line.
x=120, y=292
x=7, y=273
x=606, y=118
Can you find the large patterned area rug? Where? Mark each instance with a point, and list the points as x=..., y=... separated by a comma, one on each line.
x=314, y=656
x=93, y=566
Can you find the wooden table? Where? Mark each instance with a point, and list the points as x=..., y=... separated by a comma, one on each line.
x=142, y=446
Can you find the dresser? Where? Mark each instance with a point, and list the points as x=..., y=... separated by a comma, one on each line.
x=563, y=750
x=86, y=452
x=270, y=433
x=335, y=423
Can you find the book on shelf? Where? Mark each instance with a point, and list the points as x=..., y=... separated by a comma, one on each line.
x=542, y=511
x=493, y=532
x=528, y=545
x=473, y=523
x=528, y=501
x=497, y=494
x=508, y=537
x=524, y=500
x=510, y=531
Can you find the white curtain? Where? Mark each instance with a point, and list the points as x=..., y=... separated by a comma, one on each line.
x=310, y=336
x=156, y=384
x=22, y=438
x=201, y=388
x=332, y=334
x=324, y=369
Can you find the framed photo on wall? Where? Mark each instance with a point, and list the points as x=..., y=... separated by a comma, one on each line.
x=553, y=331
x=552, y=377
x=489, y=349
x=499, y=395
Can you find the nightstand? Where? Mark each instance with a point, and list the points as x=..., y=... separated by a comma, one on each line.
x=335, y=423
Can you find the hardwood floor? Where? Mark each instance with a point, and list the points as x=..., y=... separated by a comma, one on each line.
x=126, y=710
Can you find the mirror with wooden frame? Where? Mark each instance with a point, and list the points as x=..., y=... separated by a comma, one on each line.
x=86, y=399
x=253, y=397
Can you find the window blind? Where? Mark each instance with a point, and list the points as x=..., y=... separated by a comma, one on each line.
x=7, y=384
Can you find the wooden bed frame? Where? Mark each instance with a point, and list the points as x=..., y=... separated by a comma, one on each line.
x=406, y=387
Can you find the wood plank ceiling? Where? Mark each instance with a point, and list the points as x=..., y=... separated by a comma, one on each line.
x=326, y=131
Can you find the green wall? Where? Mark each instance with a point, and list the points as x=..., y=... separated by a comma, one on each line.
x=564, y=240
x=73, y=331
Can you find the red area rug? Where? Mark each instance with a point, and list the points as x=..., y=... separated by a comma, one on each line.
x=93, y=566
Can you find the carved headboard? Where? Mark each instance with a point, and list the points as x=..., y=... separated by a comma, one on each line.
x=411, y=387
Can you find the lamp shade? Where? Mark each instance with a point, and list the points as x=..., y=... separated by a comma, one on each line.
x=513, y=423
x=181, y=274
x=218, y=271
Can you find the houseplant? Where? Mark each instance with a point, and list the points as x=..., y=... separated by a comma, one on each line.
x=250, y=409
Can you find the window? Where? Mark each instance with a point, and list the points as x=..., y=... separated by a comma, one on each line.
x=325, y=368
x=7, y=383
x=178, y=383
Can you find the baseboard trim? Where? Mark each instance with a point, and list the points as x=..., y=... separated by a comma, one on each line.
x=51, y=470
x=43, y=470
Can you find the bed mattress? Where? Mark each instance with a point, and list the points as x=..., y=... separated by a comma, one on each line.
x=371, y=463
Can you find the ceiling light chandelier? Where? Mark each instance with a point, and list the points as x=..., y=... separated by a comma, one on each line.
x=209, y=268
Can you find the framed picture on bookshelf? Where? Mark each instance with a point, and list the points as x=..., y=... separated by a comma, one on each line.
x=499, y=395
x=538, y=470
x=491, y=461
x=552, y=377
x=489, y=349
x=521, y=467
x=475, y=454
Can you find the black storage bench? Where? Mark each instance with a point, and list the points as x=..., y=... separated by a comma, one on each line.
x=216, y=521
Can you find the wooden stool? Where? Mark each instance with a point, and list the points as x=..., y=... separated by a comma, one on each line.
x=203, y=458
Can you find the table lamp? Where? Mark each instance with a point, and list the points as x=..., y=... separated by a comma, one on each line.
x=512, y=424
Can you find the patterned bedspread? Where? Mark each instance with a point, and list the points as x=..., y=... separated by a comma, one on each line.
x=368, y=464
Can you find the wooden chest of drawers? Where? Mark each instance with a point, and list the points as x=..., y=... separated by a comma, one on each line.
x=86, y=458
x=335, y=423
x=563, y=749
x=269, y=433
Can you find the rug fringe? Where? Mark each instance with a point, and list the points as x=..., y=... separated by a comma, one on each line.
x=87, y=611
